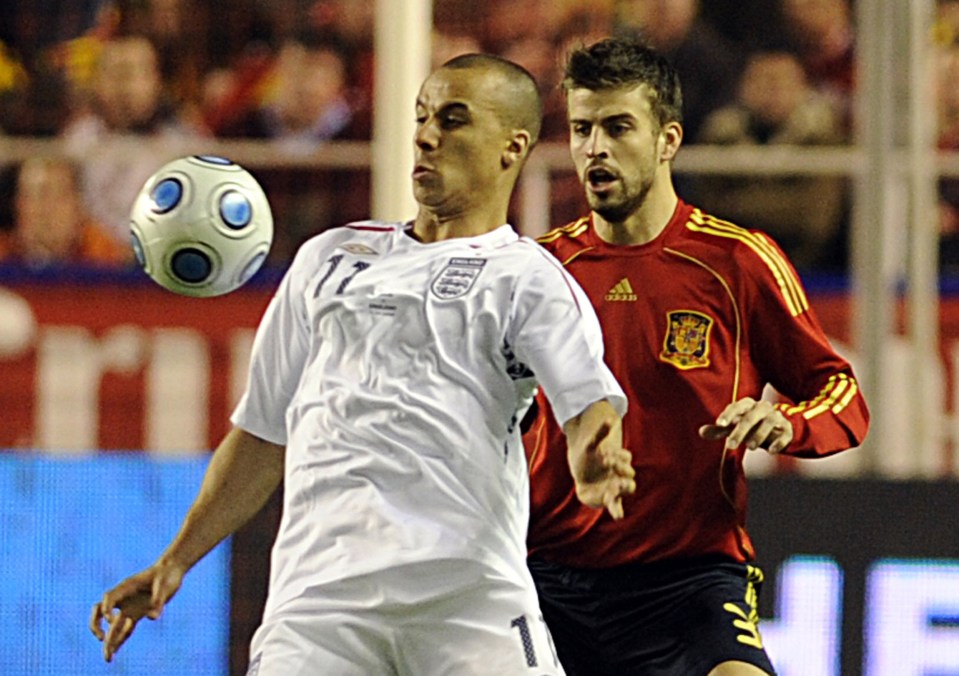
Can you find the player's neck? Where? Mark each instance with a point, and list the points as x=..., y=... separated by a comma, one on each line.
x=645, y=223
x=431, y=226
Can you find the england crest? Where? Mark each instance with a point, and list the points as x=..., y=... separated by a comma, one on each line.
x=457, y=277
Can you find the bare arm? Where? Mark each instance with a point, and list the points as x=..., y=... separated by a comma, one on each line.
x=601, y=467
x=243, y=473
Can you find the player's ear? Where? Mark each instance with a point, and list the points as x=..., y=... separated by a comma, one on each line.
x=517, y=149
x=670, y=138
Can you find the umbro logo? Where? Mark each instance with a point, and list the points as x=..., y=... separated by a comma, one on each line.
x=623, y=290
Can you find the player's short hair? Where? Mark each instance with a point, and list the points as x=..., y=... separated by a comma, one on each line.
x=521, y=105
x=626, y=62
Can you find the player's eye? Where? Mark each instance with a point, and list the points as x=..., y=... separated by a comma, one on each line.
x=452, y=121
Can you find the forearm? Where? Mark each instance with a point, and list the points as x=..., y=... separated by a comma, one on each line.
x=600, y=466
x=243, y=473
x=583, y=428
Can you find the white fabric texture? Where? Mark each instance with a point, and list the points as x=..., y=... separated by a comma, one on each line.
x=396, y=374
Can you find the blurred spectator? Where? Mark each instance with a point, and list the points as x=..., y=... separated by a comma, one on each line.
x=776, y=106
x=50, y=224
x=228, y=93
x=126, y=107
x=709, y=65
x=447, y=45
x=30, y=27
x=306, y=97
x=307, y=101
x=34, y=71
x=352, y=22
x=178, y=31
x=823, y=34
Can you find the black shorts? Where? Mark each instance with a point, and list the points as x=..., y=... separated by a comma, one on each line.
x=680, y=619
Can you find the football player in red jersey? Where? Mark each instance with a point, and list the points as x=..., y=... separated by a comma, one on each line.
x=698, y=316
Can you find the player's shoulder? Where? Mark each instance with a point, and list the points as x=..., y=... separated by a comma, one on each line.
x=722, y=244
x=356, y=232
x=569, y=237
x=745, y=258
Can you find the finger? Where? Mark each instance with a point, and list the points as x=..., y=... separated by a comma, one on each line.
x=747, y=423
x=782, y=440
x=761, y=434
x=620, y=462
x=613, y=496
x=734, y=412
x=714, y=432
x=740, y=431
x=625, y=470
x=95, y=621
x=158, y=598
x=614, y=505
x=120, y=631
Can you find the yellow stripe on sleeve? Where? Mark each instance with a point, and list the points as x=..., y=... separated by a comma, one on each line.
x=850, y=395
x=789, y=285
x=835, y=396
x=574, y=229
x=830, y=401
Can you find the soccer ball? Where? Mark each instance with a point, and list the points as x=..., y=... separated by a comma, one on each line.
x=201, y=226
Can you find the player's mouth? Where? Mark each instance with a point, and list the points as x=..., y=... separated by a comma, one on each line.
x=600, y=179
x=421, y=171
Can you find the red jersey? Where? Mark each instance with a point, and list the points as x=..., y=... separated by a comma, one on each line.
x=705, y=314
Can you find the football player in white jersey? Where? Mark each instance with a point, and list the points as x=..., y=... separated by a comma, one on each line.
x=387, y=381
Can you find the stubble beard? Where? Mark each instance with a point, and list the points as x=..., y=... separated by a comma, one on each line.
x=614, y=210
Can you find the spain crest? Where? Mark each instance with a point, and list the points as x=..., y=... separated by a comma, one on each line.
x=686, y=345
x=457, y=277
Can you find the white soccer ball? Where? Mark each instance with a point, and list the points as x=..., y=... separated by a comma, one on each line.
x=201, y=226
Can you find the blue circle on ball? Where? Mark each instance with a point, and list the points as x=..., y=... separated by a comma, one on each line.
x=250, y=269
x=138, y=250
x=191, y=266
x=214, y=159
x=235, y=209
x=166, y=195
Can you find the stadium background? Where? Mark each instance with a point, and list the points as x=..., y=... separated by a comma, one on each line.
x=113, y=390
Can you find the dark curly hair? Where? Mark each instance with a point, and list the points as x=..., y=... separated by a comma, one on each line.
x=626, y=62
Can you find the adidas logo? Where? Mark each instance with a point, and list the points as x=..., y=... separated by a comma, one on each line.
x=621, y=291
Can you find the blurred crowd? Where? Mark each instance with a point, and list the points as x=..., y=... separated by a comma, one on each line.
x=103, y=75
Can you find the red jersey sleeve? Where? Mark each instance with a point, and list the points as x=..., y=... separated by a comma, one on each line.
x=821, y=396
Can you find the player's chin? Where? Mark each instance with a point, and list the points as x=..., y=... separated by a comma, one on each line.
x=596, y=201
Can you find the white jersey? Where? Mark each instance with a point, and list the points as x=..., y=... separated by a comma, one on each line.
x=396, y=374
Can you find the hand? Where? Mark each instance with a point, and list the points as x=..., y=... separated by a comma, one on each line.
x=757, y=423
x=142, y=595
x=603, y=470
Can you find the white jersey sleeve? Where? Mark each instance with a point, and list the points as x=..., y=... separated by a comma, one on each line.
x=555, y=332
x=280, y=352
